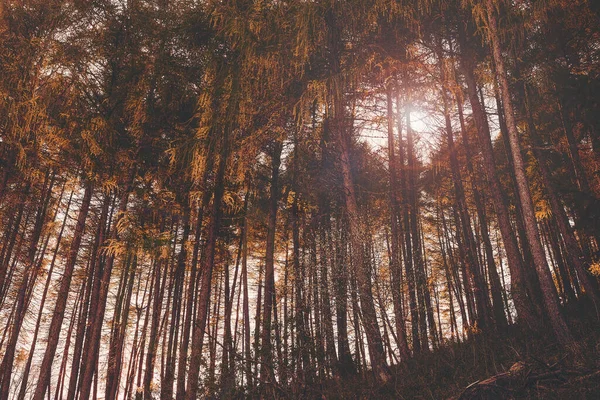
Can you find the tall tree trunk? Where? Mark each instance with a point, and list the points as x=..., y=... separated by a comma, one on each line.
x=325, y=248
x=178, y=301
x=523, y=305
x=25, y=378
x=85, y=304
x=564, y=282
x=228, y=353
x=550, y=297
x=11, y=239
x=325, y=264
x=449, y=285
x=340, y=287
x=494, y=278
x=159, y=269
x=246, y=301
x=115, y=356
x=454, y=274
x=193, y=282
x=532, y=281
x=58, y=394
x=317, y=326
x=62, y=296
x=362, y=266
x=417, y=250
x=408, y=252
x=99, y=297
x=573, y=250
x=267, y=373
x=427, y=296
x=208, y=263
x=395, y=262
x=25, y=287
x=303, y=355
x=483, y=317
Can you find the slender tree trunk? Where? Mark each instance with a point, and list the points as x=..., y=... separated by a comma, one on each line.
x=494, y=278
x=25, y=378
x=427, y=296
x=449, y=285
x=417, y=250
x=578, y=169
x=157, y=297
x=303, y=355
x=483, y=317
x=7, y=248
x=565, y=283
x=167, y=384
x=206, y=272
x=246, y=301
x=65, y=357
x=267, y=375
x=62, y=296
x=369, y=314
x=99, y=296
x=25, y=287
x=408, y=252
x=395, y=263
x=454, y=275
x=120, y=322
x=228, y=353
x=192, y=287
x=573, y=251
x=523, y=305
x=341, y=305
x=325, y=249
x=85, y=304
x=550, y=297
x=325, y=264
x=532, y=281
x=313, y=284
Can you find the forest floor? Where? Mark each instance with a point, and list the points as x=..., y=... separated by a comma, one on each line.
x=512, y=365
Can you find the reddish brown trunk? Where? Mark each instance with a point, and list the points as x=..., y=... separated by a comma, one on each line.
x=408, y=252
x=573, y=250
x=395, y=265
x=482, y=317
x=98, y=299
x=550, y=297
x=62, y=296
x=494, y=278
x=362, y=266
x=83, y=313
x=523, y=304
x=25, y=288
x=266, y=359
x=206, y=273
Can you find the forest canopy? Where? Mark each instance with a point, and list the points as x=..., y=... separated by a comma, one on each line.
x=275, y=199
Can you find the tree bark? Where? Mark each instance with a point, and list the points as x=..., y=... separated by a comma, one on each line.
x=550, y=297
x=395, y=262
x=483, y=317
x=62, y=296
x=523, y=305
x=369, y=315
x=267, y=373
x=25, y=287
x=573, y=250
x=207, y=270
x=408, y=250
x=494, y=278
